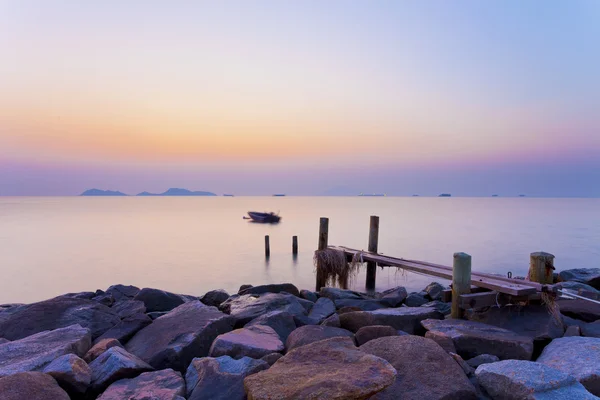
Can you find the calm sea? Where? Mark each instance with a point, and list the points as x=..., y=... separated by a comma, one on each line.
x=54, y=245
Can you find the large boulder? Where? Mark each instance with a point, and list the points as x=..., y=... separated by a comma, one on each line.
x=271, y=288
x=71, y=372
x=31, y=386
x=334, y=321
x=472, y=338
x=55, y=313
x=578, y=287
x=100, y=347
x=122, y=292
x=174, y=339
x=215, y=297
x=482, y=359
x=308, y=295
x=271, y=358
x=589, y=276
x=393, y=297
x=368, y=333
x=425, y=370
x=407, y=319
x=255, y=341
x=434, y=290
x=444, y=308
x=220, y=378
x=579, y=309
x=127, y=308
x=114, y=364
x=416, y=299
x=322, y=309
x=526, y=380
x=328, y=369
x=339, y=294
x=576, y=356
x=35, y=352
x=591, y=330
x=361, y=304
x=247, y=307
x=160, y=385
x=313, y=333
x=159, y=300
x=124, y=330
x=281, y=321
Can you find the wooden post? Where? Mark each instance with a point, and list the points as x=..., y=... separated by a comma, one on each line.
x=373, y=241
x=541, y=267
x=267, y=246
x=461, y=281
x=323, y=243
x=294, y=245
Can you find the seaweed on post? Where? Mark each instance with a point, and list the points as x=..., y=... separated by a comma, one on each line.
x=332, y=267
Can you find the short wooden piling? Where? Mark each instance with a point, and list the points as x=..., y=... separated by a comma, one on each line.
x=373, y=244
x=541, y=267
x=323, y=243
x=461, y=281
x=267, y=246
x=294, y=245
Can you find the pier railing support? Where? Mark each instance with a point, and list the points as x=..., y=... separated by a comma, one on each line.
x=373, y=244
x=267, y=246
x=323, y=243
x=541, y=267
x=461, y=281
x=294, y=245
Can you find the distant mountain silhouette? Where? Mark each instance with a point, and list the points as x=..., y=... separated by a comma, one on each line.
x=98, y=192
x=178, y=192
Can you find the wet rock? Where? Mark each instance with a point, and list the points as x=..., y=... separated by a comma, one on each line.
x=416, y=299
x=308, y=295
x=281, y=321
x=482, y=359
x=579, y=309
x=220, y=378
x=589, y=276
x=322, y=309
x=174, y=339
x=526, y=380
x=591, y=330
x=442, y=307
x=333, y=321
x=55, y=313
x=368, y=333
x=215, y=297
x=255, y=341
x=576, y=356
x=156, y=314
x=425, y=371
x=99, y=348
x=313, y=333
x=123, y=292
x=127, y=328
x=71, y=372
x=467, y=369
x=393, y=297
x=247, y=307
x=271, y=358
x=572, y=330
x=37, y=351
x=159, y=300
x=341, y=294
x=127, y=308
x=115, y=364
x=105, y=299
x=407, y=319
x=272, y=288
x=434, y=290
x=472, y=338
x=31, y=386
x=328, y=369
x=362, y=305
x=160, y=385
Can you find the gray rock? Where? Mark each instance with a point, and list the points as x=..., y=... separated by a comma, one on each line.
x=579, y=309
x=174, y=339
x=247, y=307
x=322, y=309
x=341, y=294
x=308, y=295
x=308, y=305
x=576, y=356
x=407, y=319
x=589, y=276
x=425, y=371
x=79, y=295
x=127, y=308
x=333, y=321
x=368, y=333
x=393, y=297
x=313, y=333
x=302, y=320
x=220, y=378
x=31, y=386
x=35, y=352
x=158, y=385
x=526, y=380
x=55, y=313
x=591, y=330
x=361, y=304
x=329, y=369
x=416, y=299
x=215, y=297
x=577, y=286
x=255, y=341
x=442, y=307
x=281, y=321
x=71, y=372
x=272, y=288
x=472, y=338
x=271, y=358
x=159, y=300
x=127, y=328
x=105, y=299
x=482, y=359
x=467, y=369
x=122, y=292
x=156, y=314
x=572, y=330
x=434, y=290
x=115, y=364
x=100, y=347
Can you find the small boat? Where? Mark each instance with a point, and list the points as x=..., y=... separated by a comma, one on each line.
x=445, y=195
x=279, y=195
x=268, y=218
x=228, y=195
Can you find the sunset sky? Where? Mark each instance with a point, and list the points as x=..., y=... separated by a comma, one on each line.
x=302, y=97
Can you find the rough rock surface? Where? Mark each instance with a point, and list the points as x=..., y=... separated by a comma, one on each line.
x=434, y=290
x=425, y=370
x=407, y=319
x=328, y=369
x=158, y=385
x=247, y=307
x=348, y=309
x=482, y=359
x=122, y=292
x=125, y=329
x=31, y=386
x=333, y=321
x=114, y=364
x=2, y=340
x=35, y=352
x=127, y=308
x=579, y=309
x=472, y=338
x=105, y=299
x=444, y=341
x=220, y=378
x=254, y=341
x=281, y=321
x=272, y=288
x=100, y=348
x=368, y=333
x=156, y=314
x=589, y=276
x=308, y=295
x=55, y=313
x=361, y=304
x=159, y=300
x=71, y=372
x=322, y=309
x=467, y=369
x=313, y=333
x=591, y=330
x=526, y=380
x=416, y=299
x=576, y=356
x=393, y=297
x=444, y=308
x=338, y=294
x=577, y=286
x=215, y=297
x=572, y=330
x=271, y=358
x=174, y=339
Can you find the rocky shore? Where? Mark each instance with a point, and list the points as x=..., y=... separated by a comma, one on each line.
x=278, y=342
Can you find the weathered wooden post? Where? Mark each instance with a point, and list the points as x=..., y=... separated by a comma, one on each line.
x=541, y=267
x=461, y=281
x=267, y=246
x=294, y=245
x=323, y=243
x=373, y=241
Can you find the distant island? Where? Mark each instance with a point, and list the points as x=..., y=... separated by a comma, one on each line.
x=98, y=192
x=178, y=192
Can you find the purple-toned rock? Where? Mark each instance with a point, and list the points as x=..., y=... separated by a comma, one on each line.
x=333, y=321
x=360, y=304
x=114, y=364
x=159, y=300
x=127, y=328
x=254, y=341
x=368, y=333
x=37, y=351
x=416, y=299
x=589, y=276
x=314, y=333
x=71, y=372
x=127, y=308
x=281, y=321
x=467, y=369
x=579, y=309
x=444, y=308
x=271, y=288
x=572, y=330
x=407, y=319
x=160, y=385
x=308, y=295
x=444, y=341
x=100, y=347
x=271, y=358
x=31, y=386
x=434, y=290
x=590, y=330
x=214, y=298
x=174, y=339
x=482, y=359
x=247, y=307
x=339, y=294
x=2, y=340
x=393, y=297
x=322, y=309
x=123, y=292
x=105, y=299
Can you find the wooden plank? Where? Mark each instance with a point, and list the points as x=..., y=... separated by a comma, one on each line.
x=447, y=293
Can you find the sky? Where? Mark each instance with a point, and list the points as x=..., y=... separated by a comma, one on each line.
x=309, y=97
